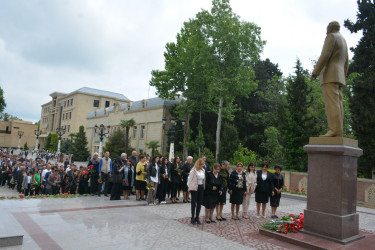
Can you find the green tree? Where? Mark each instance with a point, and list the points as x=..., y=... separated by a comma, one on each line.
x=127, y=124
x=259, y=110
x=153, y=145
x=54, y=142
x=115, y=143
x=244, y=155
x=297, y=121
x=66, y=147
x=25, y=146
x=362, y=101
x=272, y=146
x=7, y=117
x=80, y=151
x=47, y=144
x=229, y=142
x=2, y=100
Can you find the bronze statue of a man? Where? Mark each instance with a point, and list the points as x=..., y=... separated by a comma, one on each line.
x=332, y=68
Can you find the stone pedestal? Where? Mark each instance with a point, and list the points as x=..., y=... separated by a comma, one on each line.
x=332, y=189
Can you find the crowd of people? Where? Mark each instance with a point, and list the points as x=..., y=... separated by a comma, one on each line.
x=150, y=179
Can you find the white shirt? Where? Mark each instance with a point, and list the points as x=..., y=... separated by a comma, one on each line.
x=29, y=179
x=45, y=171
x=264, y=177
x=200, y=175
x=156, y=178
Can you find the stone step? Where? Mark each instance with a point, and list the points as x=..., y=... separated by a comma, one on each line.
x=13, y=240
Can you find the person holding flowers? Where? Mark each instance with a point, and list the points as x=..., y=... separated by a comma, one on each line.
x=128, y=179
x=236, y=189
x=140, y=179
x=264, y=188
x=94, y=166
x=175, y=172
x=278, y=183
x=163, y=180
x=36, y=181
x=116, y=179
x=153, y=177
x=27, y=183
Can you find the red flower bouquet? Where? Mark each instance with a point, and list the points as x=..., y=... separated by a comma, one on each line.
x=150, y=185
x=288, y=224
x=165, y=176
x=100, y=181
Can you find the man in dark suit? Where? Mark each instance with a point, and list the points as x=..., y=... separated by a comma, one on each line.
x=332, y=67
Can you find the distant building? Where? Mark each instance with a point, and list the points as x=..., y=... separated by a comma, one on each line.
x=69, y=111
x=9, y=133
x=147, y=114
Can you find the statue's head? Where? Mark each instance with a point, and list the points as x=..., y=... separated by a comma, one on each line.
x=333, y=26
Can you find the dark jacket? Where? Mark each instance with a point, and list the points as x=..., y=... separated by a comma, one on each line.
x=175, y=177
x=162, y=171
x=186, y=168
x=116, y=176
x=151, y=171
x=211, y=182
x=129, y=177
x=278, y=180
x=234, y=178
x=134, y=160
x=265, y=186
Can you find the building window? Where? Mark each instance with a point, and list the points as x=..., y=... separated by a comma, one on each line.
x=68, y=128
x=71, y=101
x=140, y=151
x=70, y=115
x=63, y=116
x=142, y=132
x=135, y=132
x=64, y=104
x=96, y=103
x=107, y=104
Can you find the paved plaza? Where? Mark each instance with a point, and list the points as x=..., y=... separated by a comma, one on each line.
x=93, y=222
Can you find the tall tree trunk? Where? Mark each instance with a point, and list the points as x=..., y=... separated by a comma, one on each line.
x=218, y=128
x=200, y=120
x=126, y=139
x=185, y=151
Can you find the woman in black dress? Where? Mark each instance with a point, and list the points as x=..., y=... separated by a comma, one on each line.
x=175, y=178
x=264, y=188
x=164, y=180
x=278, y=183
x=236, y=189
x=223, y=197
x=116, y=179
x=214, y=188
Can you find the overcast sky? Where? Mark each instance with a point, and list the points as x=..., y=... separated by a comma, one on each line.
x=50, y=45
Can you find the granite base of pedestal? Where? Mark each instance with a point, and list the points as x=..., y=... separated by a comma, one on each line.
x=332, y=189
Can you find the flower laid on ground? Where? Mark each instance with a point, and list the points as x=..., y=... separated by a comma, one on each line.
x=100, y=181
x=288, y=224
x=42, y=196
x=150, y=185
x=294, y=191
x=165, y=176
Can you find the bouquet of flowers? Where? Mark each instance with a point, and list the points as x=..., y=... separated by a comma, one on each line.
x=288, y=224
x=125, y=182
x=32, y=187
x=165, y=176
x=179, y=170
x=91, y=169
x=150, y=186
x=35, y=183
x=85, y=173
x=12, y=181
x=100, y=181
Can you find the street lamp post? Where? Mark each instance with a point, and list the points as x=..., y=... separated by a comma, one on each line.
x=20, y=134
x=37, y=134
x=60, y=132
x=172, y=132
x=101, y=131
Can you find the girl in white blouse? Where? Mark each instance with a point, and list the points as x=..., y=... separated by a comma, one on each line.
x=251, y=183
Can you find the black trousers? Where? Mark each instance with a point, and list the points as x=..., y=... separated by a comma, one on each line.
x=162, y=189
x=196, y=201
x=94, y=183
x=28, y=190
x=116, y=191
x=174, y=187
x=105, y=179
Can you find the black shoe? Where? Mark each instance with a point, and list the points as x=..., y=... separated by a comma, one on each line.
x=177, y=199
x=208, y=222
x=198, y=222
x=223, y=219
x=213, y=221
x=106, y=195
x=193, y=221
x=185, y=201
x=276, y=217
x=219, y=219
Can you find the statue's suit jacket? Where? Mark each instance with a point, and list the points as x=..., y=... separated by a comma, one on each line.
x=332, y=65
